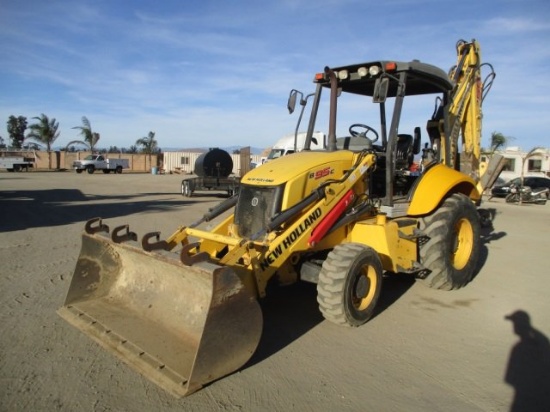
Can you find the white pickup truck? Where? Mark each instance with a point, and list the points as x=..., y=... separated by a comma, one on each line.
x=91, y=163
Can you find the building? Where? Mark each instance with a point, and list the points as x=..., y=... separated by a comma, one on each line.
x=536, y=165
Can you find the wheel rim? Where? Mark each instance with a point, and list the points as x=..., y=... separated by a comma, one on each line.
x=364, y=288
x=463, y=244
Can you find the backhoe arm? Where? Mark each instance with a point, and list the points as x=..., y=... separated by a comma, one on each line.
x=464, y=114
x=465, y=109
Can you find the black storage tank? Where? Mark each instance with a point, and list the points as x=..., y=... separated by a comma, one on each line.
x=214, y=163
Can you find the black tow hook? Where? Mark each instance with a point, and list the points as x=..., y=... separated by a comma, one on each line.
x=91, y=227
x=189, y=259
x=157, y=245
x=117, y=237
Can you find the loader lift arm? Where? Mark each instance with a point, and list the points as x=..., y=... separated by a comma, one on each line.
x=289, y=231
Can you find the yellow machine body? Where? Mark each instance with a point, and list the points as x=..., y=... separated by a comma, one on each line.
x=184, y=311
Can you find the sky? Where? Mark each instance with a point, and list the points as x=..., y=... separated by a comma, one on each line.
x=218, y=73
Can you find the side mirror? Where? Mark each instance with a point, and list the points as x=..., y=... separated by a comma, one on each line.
x=380, y=90
x=291, y=105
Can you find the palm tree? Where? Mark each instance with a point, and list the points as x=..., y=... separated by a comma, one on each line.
x=44, y=131
x=498, y=140
x=90, y=138
x=148, y=144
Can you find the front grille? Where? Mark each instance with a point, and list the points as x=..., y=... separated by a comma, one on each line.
x=255, y=208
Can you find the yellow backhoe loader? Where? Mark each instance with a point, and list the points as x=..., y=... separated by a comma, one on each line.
x=184, y=310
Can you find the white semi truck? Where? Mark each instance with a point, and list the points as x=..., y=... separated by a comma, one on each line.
x=292, y=142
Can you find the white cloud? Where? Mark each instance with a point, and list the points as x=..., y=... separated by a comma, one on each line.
x=517, y=24
x=191, y=70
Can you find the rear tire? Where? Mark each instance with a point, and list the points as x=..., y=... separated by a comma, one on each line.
x=119, y=169
x=349, y=284
x=451, y=253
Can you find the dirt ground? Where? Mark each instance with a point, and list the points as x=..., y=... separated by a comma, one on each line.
x=423, y=350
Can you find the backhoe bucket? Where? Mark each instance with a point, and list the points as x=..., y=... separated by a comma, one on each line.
x=180, y=326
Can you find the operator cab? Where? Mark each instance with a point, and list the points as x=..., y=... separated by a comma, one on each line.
x=386, y=84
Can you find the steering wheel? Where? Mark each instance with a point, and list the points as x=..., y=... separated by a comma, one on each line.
x=368, y=129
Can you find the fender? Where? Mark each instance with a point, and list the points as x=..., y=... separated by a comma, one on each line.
x=435, y=184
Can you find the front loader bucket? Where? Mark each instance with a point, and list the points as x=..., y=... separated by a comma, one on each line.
x=180, y=326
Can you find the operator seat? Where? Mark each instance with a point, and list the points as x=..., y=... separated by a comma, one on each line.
x=356, y=144
x=352, y=143
x=404, y=156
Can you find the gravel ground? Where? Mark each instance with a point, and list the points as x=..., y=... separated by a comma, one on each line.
x=423, y=350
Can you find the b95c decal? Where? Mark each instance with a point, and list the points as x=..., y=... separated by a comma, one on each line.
x=321, y=173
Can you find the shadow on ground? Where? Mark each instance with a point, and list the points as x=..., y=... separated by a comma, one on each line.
x=290, y=312
x=488, y=235
x=40, y=208
x=528, y=369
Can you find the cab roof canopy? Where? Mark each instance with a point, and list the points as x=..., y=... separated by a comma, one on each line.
x=422, y=78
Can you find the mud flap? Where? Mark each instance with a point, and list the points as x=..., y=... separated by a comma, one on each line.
x=180, y=326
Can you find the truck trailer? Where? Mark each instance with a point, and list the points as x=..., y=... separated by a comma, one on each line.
x=212, y=170
x=16, y=163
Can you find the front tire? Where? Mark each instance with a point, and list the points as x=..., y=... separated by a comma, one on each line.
x=349, y=284
x=90, y=170
x=451, y=253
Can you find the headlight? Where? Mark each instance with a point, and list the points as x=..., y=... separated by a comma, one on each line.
x=343, y=74
x=374, y=70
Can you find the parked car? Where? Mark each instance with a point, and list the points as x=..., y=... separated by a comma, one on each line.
x=532, y=181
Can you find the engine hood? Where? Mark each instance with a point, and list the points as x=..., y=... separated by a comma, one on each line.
x=288, y=167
